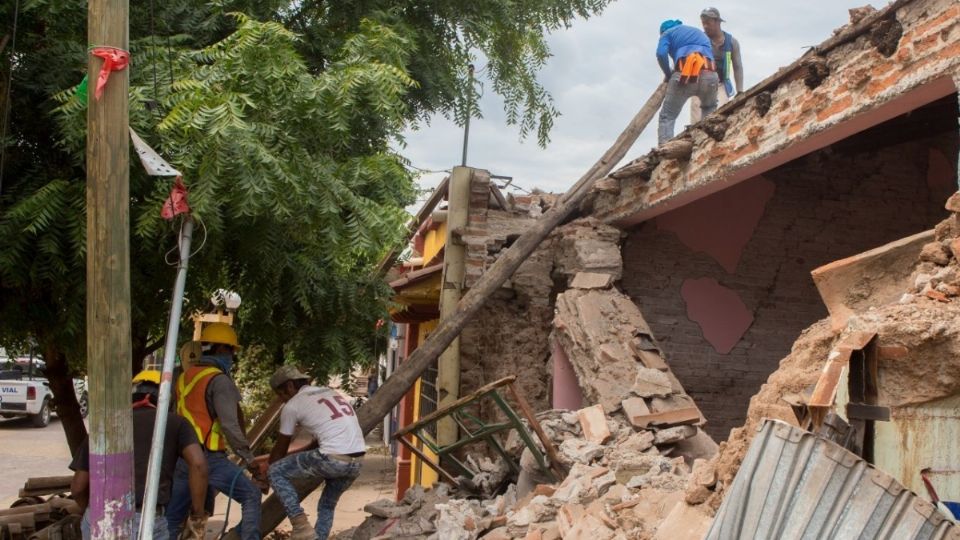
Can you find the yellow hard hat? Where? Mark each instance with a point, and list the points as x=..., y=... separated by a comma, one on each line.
x=219, y=333
x=147, y=375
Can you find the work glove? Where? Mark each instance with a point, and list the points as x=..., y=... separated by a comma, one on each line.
x=195, y=528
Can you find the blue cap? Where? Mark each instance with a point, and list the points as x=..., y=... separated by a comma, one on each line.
x=668, y=24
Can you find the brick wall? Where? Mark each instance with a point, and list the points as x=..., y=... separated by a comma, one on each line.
x=864, y=87
x=825, y=206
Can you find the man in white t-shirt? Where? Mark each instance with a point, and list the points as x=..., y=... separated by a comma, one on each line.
x=334, y=456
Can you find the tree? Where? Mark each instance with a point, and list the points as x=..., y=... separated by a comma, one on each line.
x=281, y=118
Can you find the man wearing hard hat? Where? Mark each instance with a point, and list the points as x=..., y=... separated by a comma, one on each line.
x=334, y=456
x=179, y=441
x=210, y=400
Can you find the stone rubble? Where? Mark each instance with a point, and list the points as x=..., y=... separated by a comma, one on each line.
x=615, y=490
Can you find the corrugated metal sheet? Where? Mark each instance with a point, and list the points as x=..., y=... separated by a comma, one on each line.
x=793, y=485
x=920, y=436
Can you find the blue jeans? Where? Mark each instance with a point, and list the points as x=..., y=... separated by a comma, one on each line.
x=222, y=473
x=337, y=476
x=160, y=531
x=705, y=87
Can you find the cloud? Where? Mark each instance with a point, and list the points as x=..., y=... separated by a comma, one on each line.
x=601, y=72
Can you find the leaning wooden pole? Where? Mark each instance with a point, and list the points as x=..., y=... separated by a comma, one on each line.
x=409, y=371
x=108, y=274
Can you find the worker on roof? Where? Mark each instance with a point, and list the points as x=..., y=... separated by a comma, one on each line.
x=333, y=456
x=726, y=51
x=209, y=399
x=693, y=73
x=179, y=440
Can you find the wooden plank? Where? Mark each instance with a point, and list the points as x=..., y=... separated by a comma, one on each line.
x=551, y=450
x=46, y=482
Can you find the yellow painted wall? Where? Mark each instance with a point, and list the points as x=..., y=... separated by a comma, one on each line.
x=420, y=473
x=433, y=242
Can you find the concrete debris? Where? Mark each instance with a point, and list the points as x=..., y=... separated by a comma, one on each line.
x=684, y=521
x=458, y=519
x=580, y=451
x=604, y=494
x=674, y=435
x=591, y=280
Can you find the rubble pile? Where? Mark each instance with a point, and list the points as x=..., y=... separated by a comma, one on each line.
x=623, y=481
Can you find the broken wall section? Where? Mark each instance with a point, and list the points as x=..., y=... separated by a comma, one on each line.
x=826, y=206
x=918, y=344
x=510, y=334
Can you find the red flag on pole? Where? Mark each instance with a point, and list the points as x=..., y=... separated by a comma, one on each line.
x=113, y=60
x=176, y=203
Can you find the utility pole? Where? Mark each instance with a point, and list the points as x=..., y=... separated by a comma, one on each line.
x=108, y=278
x=466, y=122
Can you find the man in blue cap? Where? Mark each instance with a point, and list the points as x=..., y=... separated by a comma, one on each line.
x=726, y=51
x=693, y=73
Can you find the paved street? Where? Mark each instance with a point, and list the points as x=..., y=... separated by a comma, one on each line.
x=26, y=451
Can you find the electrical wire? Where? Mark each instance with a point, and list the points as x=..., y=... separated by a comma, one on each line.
x=6, y=101
x=174, y=250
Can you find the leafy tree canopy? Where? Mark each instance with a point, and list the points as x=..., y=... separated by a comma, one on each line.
x=281, y=115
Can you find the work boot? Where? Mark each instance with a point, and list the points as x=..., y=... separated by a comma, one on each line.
x=302, y=529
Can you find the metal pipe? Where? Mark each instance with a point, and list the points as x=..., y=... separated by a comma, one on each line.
x=149, y=507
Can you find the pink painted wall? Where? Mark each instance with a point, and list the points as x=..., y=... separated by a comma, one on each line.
x=566, y=390
x=722, y=224
x=720, y=312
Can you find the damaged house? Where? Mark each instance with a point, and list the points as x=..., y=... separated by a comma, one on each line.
x=748, y=269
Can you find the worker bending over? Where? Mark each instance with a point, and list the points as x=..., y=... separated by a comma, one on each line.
x=693, y=73
x=209, y=399
x=334, y=455
x=179, y=440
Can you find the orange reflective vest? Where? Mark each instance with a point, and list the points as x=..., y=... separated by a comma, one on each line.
x=192, y=405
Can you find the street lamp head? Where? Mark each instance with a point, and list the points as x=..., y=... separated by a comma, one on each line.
x=230, y=300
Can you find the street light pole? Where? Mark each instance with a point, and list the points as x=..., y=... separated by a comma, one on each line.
x=466, y=123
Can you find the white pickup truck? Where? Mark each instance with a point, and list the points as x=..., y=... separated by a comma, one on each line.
x=25, y=392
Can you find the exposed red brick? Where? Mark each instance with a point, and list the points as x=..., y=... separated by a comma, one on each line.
x=835, y=108
x=938, y=296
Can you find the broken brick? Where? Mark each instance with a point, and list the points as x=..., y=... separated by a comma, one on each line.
x=634, y=406
x=674, y=435
x=544, y=489
x=591, y=280
x=953, y=203
x=651, y=383
x=704, y=473
x=937, y=295
x=500, y=533
x=594, y=424
x=955, y=248
x=935, y=252
x=677, y=417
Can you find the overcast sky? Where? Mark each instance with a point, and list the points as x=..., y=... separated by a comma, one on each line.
x=602, y=71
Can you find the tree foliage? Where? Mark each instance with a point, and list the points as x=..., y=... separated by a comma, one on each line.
x=281, y=116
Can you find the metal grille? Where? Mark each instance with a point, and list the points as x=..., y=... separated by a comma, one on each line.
x=428, y=396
